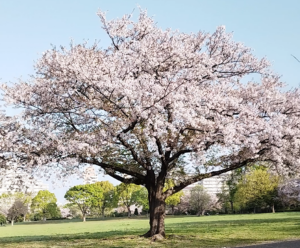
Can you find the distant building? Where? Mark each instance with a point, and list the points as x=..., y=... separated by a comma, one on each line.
x=212, y=185
x=90, y=175
x=19, y=181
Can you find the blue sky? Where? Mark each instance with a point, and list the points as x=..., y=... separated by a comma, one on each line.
x=27, y=28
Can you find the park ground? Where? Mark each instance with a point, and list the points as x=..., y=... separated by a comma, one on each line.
x=182, y=231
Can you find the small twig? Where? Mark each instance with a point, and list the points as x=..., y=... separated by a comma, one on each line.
x=295, y=58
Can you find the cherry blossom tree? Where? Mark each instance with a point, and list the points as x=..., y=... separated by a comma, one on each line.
x=289, y=191
x=156, y=104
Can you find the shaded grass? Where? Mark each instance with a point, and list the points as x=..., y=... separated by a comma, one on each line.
x=182, y=231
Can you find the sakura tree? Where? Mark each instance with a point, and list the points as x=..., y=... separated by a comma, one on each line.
x=155, y=105
x=289, y=191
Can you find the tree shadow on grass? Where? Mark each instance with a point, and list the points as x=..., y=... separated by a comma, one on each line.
x=235, y=232
x=71, y=237
x=79, y=220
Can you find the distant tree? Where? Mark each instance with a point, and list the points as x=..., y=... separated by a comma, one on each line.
x=258, y=188
x=184, y=205
x=223, y=199
x=7, y=201
x=142, y=199
x=72, y=210
x=289, y=192
x=16, y=210
x=129, y=194
x=85, y=197
x=2, y=219
x=226, y=197
x=200, y=200
x=45, y=204
x=109, y=199
x=173, y=200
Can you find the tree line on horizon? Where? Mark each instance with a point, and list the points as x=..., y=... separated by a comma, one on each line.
x=246, y=190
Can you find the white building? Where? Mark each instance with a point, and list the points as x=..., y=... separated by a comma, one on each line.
x=212, y=185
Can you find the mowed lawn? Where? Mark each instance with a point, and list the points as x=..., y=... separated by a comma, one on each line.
x=182, y=231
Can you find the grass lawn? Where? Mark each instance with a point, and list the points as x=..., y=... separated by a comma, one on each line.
x=183, y=231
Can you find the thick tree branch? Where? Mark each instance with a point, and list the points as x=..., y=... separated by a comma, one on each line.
x=200, y=177
x=113, y=168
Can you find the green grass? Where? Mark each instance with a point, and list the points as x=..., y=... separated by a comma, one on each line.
x=187, y=231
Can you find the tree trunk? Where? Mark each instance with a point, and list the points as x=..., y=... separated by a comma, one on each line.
x=84, y=217
x=129, y=212
x=173, y=209
x=273, y=208
x=102, y=212
x=157, y=207
x=203, y=212
x=231, y=205
x=12, y=222
x=24, y=218
x=199, y=213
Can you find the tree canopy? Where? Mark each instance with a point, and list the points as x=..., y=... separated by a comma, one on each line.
x=258, y=188
x=154, y=104
x=85, y=197
x=17, y=209
x=200, y=200
x=129, y=194
x=109, y=197
x=44, y=203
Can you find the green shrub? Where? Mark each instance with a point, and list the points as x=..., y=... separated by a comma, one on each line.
x=2, y=219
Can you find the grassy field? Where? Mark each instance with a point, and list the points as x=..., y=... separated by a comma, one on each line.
x=183, y=231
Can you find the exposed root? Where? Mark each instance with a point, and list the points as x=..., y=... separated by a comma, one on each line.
x=157, y=237
x=146, y=235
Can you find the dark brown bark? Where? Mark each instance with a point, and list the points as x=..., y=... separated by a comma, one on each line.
x=232, y=208
x=157, y=218
x=157, y=207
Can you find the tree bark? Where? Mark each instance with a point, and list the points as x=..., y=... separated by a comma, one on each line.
x=273, y=208
x=129, y=212
x=231, y=205
x=84, y=217
x=157, y=208
x=12, y=222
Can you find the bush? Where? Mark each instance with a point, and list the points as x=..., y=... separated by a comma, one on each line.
x=2, y=219
x=19, y=219
x=37, y=216
x=117, y=214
